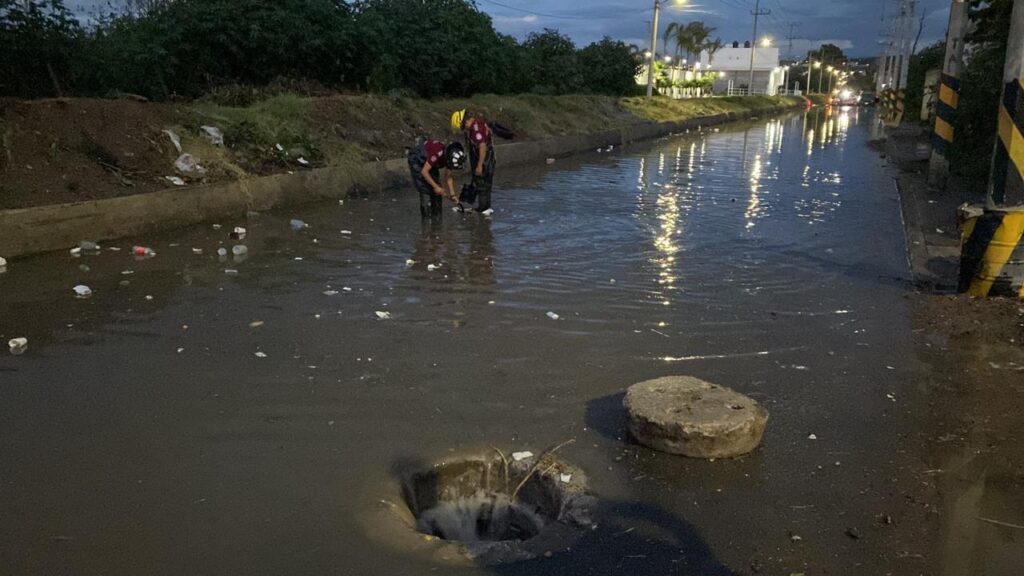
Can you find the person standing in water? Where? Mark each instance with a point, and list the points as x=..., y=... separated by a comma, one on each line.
x=429, y=161
x=480, y=141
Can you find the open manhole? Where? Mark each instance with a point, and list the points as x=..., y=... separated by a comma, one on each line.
x=492, y=508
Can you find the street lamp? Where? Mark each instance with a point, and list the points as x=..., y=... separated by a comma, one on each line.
x=654, y=42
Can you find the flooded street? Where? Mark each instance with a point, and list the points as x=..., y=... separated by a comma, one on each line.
x=184, y=420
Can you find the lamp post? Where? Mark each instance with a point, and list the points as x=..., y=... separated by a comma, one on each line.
x=654, y=43
x=809, y=63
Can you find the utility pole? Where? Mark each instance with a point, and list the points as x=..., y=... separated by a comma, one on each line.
x=654, y=49
x=1006, y=186
x=949, y=95
x=809, y=64
x=821, y=75
x=990, y=256
x=757, y=13
x=908, y=23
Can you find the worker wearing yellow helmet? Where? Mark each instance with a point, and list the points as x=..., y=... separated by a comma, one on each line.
x=480, y=145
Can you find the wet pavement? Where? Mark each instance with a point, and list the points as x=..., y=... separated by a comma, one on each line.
x=184, y=420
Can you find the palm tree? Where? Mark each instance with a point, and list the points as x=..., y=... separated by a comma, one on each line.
x=711, y=47
x=698, y=33
x=679, y=34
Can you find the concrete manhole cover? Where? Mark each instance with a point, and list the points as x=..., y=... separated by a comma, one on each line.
x=488, y=508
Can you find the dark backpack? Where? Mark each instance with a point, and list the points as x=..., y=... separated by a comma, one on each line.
x=503, y=132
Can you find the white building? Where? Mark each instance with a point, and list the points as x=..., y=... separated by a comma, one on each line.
x=732, y=63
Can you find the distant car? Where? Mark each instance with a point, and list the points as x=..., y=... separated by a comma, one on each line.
x=846, y=98
x=867, y=99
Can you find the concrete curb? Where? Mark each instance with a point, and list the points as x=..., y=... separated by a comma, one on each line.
x=48, y=228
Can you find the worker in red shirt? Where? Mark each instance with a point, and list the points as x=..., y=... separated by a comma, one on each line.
x=480, y=142
x=428, y=161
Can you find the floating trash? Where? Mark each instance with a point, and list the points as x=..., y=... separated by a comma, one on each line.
x=18, y=346
x=383, y=315
x=519, y=456
x=82, y=291
x=553, y=316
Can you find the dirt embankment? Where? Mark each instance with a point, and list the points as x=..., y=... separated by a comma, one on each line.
x=70, y=150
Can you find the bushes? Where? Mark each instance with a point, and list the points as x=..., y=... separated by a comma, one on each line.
x=37, y=40
x=162, y=49
x=608, y=67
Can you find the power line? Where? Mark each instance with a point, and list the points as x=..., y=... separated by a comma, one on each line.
x=541, y=14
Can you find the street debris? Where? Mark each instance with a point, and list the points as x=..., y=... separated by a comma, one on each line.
x=175, y=180
x=213, y=135
x=18, y=346
x=383, y=315
x=174, y=140
x=143, y=252
x=238, y=233
x=298, y=225
x=553, y=316
x=188, y=165
x=520, y=456
x=82, y=291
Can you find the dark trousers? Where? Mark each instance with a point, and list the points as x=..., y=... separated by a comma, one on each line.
x=431, y=205
x=485, y=183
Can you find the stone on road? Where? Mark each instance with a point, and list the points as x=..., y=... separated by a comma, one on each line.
x=688, y=416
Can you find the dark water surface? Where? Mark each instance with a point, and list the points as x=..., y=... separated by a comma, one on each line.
x=146, y=437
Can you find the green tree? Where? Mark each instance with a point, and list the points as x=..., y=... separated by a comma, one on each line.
x=432, y=47
x=929, y=58
x=38, y=39
x=609, y=67
x=982, y=85
x=554, y=60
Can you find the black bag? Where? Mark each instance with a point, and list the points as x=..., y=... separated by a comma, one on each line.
x=501, y=131
x=468, y=194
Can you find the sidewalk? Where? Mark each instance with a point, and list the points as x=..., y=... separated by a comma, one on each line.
x=929, y=215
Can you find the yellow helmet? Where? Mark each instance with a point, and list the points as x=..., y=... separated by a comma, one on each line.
x=457, y=117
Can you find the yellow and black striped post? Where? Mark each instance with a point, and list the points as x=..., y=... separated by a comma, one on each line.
x=949, y=94
x=945, y=114
x=1007, y=185
x=992, y=253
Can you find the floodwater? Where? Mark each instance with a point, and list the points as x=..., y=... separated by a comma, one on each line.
x=184, y=420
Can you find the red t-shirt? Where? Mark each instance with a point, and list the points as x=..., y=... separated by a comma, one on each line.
x=479, y=132
x=435, y=153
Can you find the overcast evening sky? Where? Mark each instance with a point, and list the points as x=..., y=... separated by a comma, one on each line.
x=853, y=25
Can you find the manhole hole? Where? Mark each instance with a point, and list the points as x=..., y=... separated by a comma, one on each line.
x=492, y=508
